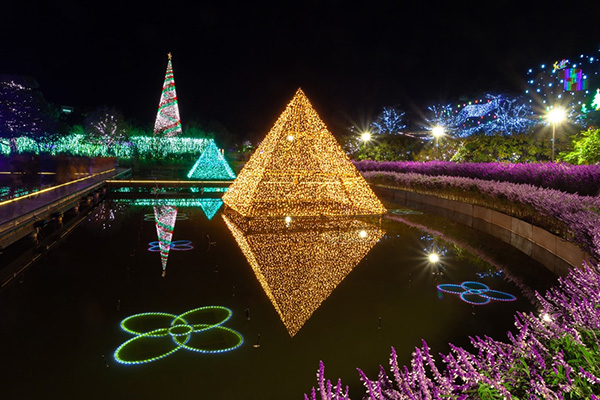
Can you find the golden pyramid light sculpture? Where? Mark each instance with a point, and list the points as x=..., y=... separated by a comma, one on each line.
x=300, y=262
x=299, y=169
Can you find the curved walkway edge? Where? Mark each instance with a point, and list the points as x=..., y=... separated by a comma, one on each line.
x=555, y=253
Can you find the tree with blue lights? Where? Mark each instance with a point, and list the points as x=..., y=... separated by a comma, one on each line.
x=512, y=116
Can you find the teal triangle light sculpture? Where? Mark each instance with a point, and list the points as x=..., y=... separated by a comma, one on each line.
x=211, y=165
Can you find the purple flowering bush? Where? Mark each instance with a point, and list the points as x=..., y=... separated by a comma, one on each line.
x=554, y=354
x=582, y=179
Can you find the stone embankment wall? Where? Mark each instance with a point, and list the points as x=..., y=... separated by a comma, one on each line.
x=555, y=253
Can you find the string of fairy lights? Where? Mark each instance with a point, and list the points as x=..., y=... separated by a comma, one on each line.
x=300, y=262
x=300, y=169
x=143, y=147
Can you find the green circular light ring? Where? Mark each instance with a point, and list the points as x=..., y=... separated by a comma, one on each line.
x=188, y=329
x=181, y=338
x=121, y=360
x=240, y=341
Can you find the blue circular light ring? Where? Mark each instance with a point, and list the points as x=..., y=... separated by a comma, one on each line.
x=468, y=285
x=178, y=321
x=178, y=245
x=447, y=287
x=475, y=293
x=477, y=299
x=498, y=295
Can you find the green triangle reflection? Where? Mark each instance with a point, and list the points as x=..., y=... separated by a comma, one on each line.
x=210, y=206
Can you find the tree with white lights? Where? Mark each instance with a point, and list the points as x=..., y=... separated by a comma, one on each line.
x=23, y=110
x=389, y=121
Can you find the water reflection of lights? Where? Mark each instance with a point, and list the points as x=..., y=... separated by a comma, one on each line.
x=156, y=331
x=180, y=217
x=105, y=214
x=210, y=206
x=178, y=245
x=165, y=224
x=476, y=293
x=298, y=267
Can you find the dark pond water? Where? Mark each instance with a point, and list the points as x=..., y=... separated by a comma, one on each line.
x=364, y=286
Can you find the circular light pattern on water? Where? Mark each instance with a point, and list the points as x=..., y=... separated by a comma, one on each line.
x=179, y=245
x=476, y=293
x=179, y=330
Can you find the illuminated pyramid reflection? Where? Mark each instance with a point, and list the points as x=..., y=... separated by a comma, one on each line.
x=300, y=169
x=300, y=262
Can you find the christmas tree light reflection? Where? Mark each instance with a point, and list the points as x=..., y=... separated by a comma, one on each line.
x=299, y=262
x=165, y=224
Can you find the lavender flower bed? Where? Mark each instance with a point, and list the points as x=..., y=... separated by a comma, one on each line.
x=552, y=355
x=574, y=217
x=582, y=179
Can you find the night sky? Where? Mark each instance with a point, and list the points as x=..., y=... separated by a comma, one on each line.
x=239, y=63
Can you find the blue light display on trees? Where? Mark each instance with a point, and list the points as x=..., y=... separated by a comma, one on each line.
x=492, y=114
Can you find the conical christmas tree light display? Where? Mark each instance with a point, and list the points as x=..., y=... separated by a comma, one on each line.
x=299, y=169
x=211, y=165
x=167, y=121
x=300, y=262
x=165, y=217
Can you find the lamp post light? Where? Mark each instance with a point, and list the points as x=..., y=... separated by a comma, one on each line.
x=437, y=132
x=555, y=116
x=365, y=136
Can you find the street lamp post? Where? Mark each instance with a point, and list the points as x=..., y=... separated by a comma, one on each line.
x=437, y=132
x=555, y=116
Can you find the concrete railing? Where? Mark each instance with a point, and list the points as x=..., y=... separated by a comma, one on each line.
x=555, y=253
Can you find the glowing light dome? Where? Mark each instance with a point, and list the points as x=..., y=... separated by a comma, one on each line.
x=310, y=175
